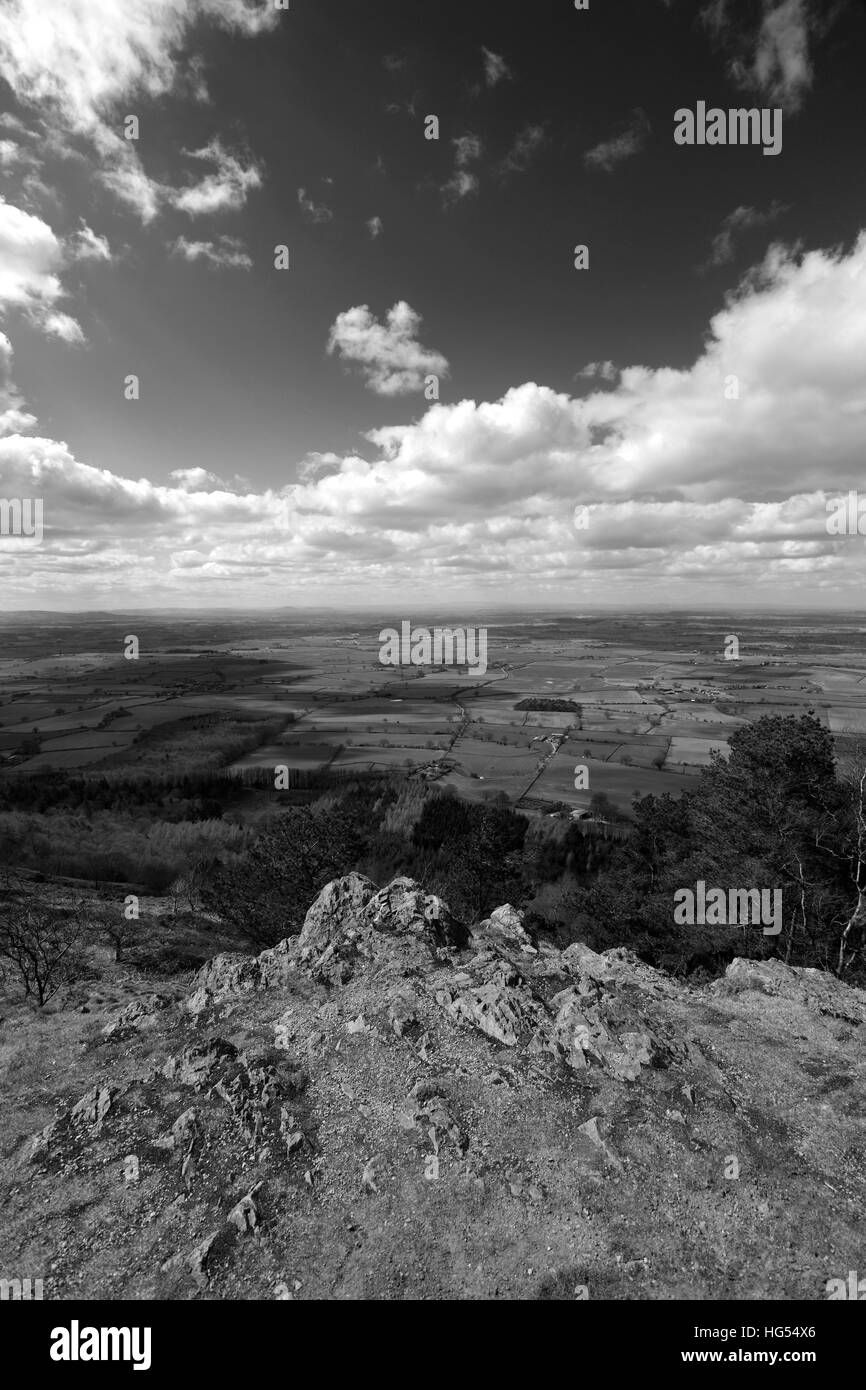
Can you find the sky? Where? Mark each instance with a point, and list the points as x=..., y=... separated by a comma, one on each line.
x=265, y=343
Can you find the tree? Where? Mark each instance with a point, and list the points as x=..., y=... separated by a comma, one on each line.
x=118, y=930
x=41, y=946
x=485, y=867
x=266, y=893
x=775, y=815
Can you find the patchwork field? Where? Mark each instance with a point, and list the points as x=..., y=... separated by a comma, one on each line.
x=650, y=698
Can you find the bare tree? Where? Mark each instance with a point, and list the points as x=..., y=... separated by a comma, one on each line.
x=42, y=946
x=119, y=931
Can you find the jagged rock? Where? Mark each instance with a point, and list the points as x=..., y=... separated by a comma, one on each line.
x=245, y=1216
x=434, y=1117
x=93, y=1108
x=43, y=1141
x=505, y=924
x=402, y=1011
x=503, y=1008
x=253, y=1091
x=370, y=1175
x=185, y=1128
x=590, y=1130
x=198, y=1260
x=580, y=1032
x=88, y=1113
x=231, y=974
x=579, y=960
x=814, y=989
x=138, y=1016
x=183, y=1132
x=404, y=908
x=197, y=1062
x=336, y=914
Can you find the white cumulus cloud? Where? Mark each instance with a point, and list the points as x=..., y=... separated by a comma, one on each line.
x=390, y=357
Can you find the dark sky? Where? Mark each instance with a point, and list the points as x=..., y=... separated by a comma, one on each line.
x=300, y=128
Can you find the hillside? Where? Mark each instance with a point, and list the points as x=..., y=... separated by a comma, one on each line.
x=393, y=1106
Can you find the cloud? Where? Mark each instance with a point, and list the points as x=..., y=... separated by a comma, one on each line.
x=81, y=62
x=692, y=492
x=599, y=371
x=526, y=145
x=495, y=67
x=463, y=181
x=13, y=418
x=83, y=58
x=226, y=253
x=64, y=327
x=314, y=212
x=87, y=245
x=740, y=220
x=199, y=479
x=126, y=179
x=226, y=189
x=466, y=148
x=391, y=359
x=31, y=258
x=628, y=142
x=771, y=55
x=375, y=227
x=14, y=155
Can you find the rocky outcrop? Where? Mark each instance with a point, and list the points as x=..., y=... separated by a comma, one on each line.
x=390, y=1105
x=505, y=927
x=141, y=1015
x=813, y=989
x=336, y=915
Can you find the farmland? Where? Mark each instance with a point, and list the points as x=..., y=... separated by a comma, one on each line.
x=640, y=701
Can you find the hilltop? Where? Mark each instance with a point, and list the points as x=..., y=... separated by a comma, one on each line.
x=396, y=1105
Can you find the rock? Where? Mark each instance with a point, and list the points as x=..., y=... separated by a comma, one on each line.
x=138, y=1016
x=578, y=959
x=93, y=1108
x=245, y=1216
x=195, y=1065
x=572, y=1034
x=131, y=1169
x=505, y=924
x=584, y=1029
x=504, y=1012
x=404, y=908
x=185, y=1128
x=232, y=974
x=370, y=1175
x=501, y=1004
x=431, y=1114
x=402, y=1012
x=590, y=1130
x=198, y=1262
x=335, y=914
x=814, y=989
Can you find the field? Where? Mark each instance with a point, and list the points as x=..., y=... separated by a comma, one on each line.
x=654, y=697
